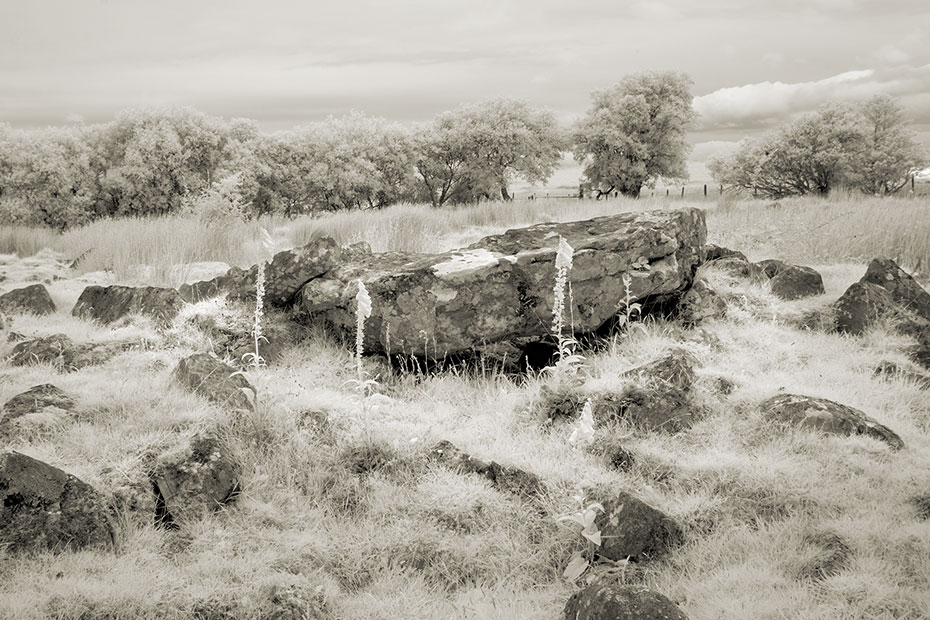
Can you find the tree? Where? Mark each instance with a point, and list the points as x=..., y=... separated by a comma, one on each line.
x=479, y=149
x=890, y=154
x=863, y=146
x=634, y=133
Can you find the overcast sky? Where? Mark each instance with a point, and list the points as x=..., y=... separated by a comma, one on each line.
x=754, y=62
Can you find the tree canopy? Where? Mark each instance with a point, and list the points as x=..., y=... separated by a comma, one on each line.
x=634, y=133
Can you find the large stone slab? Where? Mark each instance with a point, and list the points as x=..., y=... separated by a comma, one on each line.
x=32, y=299
x=108, y=304
x=500, y=289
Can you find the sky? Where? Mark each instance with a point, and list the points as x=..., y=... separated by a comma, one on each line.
x=755, y=64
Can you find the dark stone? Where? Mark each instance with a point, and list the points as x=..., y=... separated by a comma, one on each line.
x=863, y=304
x=716, y=252
x=771, y=267
x=505, y=478
x=62, y=353
x=108, y=304
x=796, y=282
x=605, y=601
x=194, y=480
x=675, y=368
x=700, y=303
x=631, y=529
x=904, y=290
x=32, y=299
x=43, y=507
x=828, y=417
x=215, y=380
x=33, y=400
x=737, y=267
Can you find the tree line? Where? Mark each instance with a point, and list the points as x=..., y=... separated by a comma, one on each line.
x=864, y=146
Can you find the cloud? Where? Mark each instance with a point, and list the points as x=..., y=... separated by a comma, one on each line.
x=764, y=104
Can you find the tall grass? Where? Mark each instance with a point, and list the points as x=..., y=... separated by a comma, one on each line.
x=841, y=228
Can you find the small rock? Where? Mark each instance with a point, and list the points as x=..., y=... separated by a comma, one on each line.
x=700, y=303
x=62, y=353
x=632, y=529
x=827, y=416
x=505, y=478
x=659, y=407
x=33, y=400
x=796, y=282
x=32, y=299
x=42, y=507
x=675, y=368
x=108, y=304
x=194, y=480
x=716, y=252
x=737, y=267
x=215, y=380
x=771, y=267
x=862, y=305
x=604, y=601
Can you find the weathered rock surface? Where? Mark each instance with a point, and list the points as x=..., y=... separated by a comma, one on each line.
x=604, y=601
x=737, y=267
x=108, y=304
x=632, y=529
x=287, y=272
x=500, y=288
x=42, y=507
x=796, y=282
x=904, y=290
x=504, y=477
x=34, y=400
x=63, y=353
x=215, y=380
x=771, y=267
x=32, y=299
x=716, y=252
x=234, y=340
x=827, y=416
x=194, y=480
x=700, y=303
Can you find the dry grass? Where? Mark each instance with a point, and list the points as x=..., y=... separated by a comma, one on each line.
x=342, y=515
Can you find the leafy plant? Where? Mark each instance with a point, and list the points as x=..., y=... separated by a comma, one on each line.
x=583, y=429
x=584, y=517
x=629, y=307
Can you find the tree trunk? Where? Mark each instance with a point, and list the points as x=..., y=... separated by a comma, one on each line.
x=505, y=195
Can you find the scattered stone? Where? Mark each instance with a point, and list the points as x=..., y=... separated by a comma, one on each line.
x=828, y=554
x=611, y=449
x=191, y=481
x=108, y=304
x=716, y=252
x=631, y=529
x=605, y=601
x=795, y=282
x=893, y=371
x=15, y=337
x=32, y=299
x=904, y=290
x=34, y=400
x=771, y=267
x=505, y=478
x=215, y=380
x=862, y=305
x=700, y=303
x=737, y=267
x=62, y=353
x=498, y=289
x=827, y=416
x=675, y=368
x=42, y=507
x=285, y=275
x=234, y=340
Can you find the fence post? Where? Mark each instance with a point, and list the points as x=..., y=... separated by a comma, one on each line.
x=666, y=193
x=682, y=191
x=912, y=181
x=705, y=190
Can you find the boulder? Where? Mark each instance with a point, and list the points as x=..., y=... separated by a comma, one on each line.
x=193, y=480
x=606, y=601
x=904, y=290
x=108, y=304
x=36, y=399
x=700, y=303
x=505, y=478
x=716, y=252
x=771, y=267
x=215, y=380
x=287, y=272
x=675, y=368
x=865, y=303
x=737, y=267
x=795, y=282
x=631, y=529
x=828, y=417
x=42, y=507
x=500, y=289
x=63, y=353
x=32, y=299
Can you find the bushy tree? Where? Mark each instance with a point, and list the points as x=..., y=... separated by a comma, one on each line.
x=863, y=146
x=477, y=150
x=635, y=132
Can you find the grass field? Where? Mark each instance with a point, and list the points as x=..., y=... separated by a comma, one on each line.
x=777, y=524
